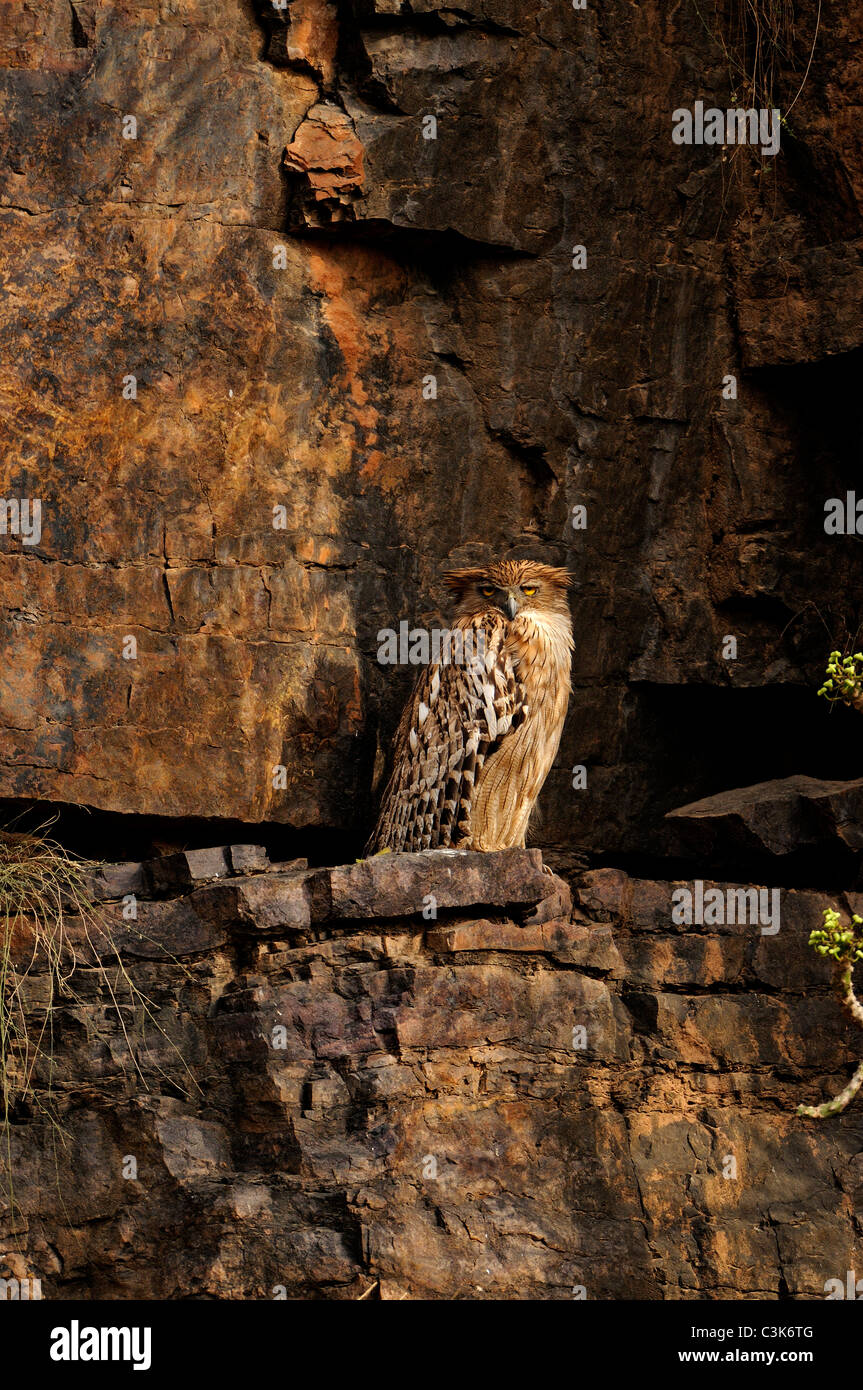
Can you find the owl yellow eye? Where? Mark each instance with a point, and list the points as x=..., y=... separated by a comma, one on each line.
x=530, y=591
x=487, y=592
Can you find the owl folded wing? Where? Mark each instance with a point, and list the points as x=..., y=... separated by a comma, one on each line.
x=463, y=707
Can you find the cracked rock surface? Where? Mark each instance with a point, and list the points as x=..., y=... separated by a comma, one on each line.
x=504, y=1101
x=282, y=259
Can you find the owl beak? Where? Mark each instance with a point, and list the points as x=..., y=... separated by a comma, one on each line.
x=512, y=605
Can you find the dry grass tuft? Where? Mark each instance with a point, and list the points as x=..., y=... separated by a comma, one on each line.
x=50, y=927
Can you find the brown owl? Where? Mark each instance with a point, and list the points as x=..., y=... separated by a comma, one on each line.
x=479, y=735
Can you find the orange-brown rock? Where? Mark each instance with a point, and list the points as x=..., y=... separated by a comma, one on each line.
x=284, y=482
x=327, y=152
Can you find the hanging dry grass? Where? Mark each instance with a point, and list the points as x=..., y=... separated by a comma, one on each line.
x=50, y=927
x=759, y=41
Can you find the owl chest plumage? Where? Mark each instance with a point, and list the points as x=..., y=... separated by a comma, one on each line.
x=478, y=737
x=513, y=776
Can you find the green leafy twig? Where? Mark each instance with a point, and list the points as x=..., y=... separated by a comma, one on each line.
x=844, y=946
x=844, y=680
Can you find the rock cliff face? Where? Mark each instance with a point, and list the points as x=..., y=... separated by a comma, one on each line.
x=283, y=259
x=339, y=1094
x=300, y=304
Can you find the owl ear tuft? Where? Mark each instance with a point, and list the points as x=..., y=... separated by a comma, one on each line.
x=561, y=578
x=459, y=581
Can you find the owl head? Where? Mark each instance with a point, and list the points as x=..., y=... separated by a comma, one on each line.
x=512, y=586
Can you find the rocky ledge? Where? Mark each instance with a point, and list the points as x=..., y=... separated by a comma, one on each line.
x=430, y=1076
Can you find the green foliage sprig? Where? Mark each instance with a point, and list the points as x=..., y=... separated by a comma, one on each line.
x=843, y=944
x=844, y=678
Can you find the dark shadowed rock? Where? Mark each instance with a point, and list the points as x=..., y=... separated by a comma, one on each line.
x=474, y=1108
x=779, y=817
x=157, y=931
x=556, y=903
x=262, y=903
x=248, y=859
x=115, y=881
x=166, y=928
x=175, y=873
x=400, y=885
x=591, y=947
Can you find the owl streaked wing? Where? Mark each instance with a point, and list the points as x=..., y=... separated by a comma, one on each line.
x=460, y=712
